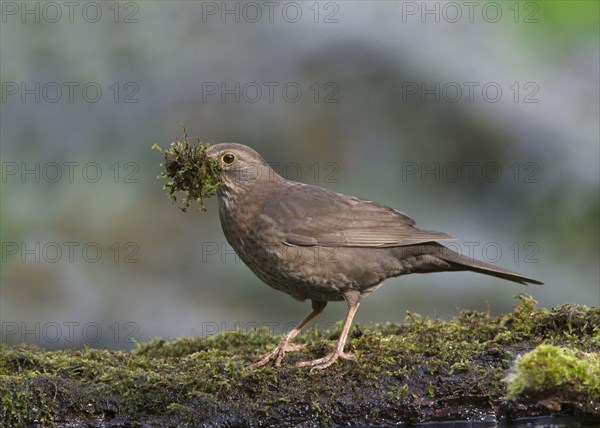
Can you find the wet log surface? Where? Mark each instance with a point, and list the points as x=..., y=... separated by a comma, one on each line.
x=422, y=370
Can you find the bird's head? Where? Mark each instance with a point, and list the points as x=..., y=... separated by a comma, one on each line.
x=242, y=167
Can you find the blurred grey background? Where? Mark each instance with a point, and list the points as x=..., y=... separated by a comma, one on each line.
x=479, y=119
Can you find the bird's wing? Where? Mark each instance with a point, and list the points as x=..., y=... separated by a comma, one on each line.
x=308, y=215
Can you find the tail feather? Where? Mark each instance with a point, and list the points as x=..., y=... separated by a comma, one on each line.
x=463, y=263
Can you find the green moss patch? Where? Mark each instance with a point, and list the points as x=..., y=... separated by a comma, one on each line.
x=421, y=370
x=557, y=372
x=190, y=171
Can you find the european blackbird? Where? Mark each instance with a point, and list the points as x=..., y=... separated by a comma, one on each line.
x=312, y=243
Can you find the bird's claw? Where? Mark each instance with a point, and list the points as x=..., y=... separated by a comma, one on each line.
x=326, y=361
x=280, y=351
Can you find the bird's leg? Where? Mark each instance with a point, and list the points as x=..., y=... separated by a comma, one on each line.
x=328, y=360
x=285, y=346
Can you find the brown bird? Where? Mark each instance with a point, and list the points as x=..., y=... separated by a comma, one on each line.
x=312, y=243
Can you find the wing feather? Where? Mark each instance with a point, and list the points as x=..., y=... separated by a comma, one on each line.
x=308, y=215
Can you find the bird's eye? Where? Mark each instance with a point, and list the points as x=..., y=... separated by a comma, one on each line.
x=228, y=158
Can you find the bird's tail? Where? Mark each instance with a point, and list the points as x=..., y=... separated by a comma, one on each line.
x=459, y=262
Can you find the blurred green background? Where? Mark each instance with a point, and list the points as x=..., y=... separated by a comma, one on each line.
x=479, y=119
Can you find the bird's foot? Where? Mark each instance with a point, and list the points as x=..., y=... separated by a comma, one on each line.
x=326, y=361
x=280, y=351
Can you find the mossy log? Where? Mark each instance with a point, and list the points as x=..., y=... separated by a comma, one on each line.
x=421, y=370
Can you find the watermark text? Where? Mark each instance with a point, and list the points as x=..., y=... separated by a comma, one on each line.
x=67, y=333
x=453, y=12
x=69, y=92
x=470, y=92
x=69, y=252
x=270, y=92
x=68, y=172
x=470, y=172
x=252, y=12
x=52, y=12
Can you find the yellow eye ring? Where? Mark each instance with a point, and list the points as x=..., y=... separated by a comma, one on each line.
x=228, y=158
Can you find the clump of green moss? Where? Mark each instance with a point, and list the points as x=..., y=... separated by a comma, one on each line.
x=420, y=370
x=548, y=367
x=190, y=171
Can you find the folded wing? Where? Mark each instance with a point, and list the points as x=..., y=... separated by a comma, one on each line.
x=309, y=215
